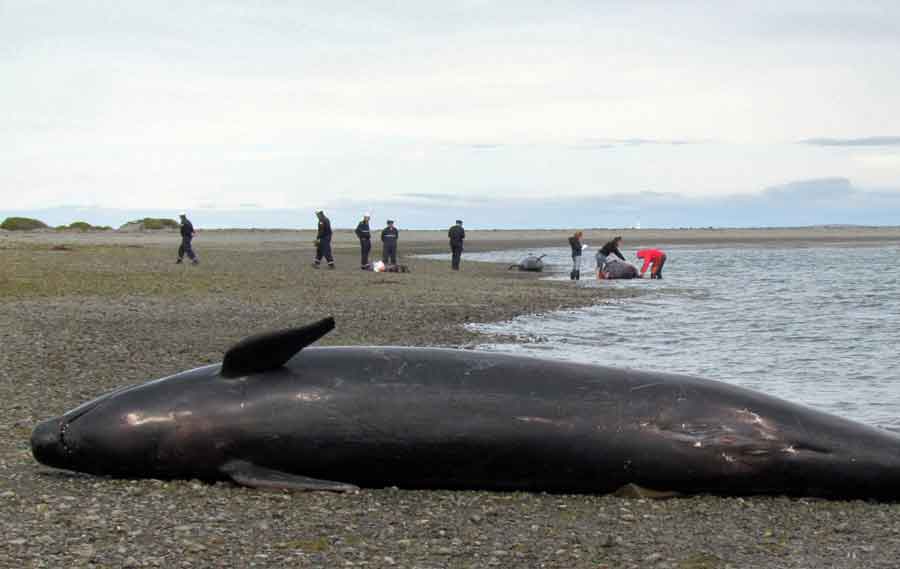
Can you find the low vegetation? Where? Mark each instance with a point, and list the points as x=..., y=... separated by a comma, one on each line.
x=152, y=224
x=22, y=224
x=84, y=226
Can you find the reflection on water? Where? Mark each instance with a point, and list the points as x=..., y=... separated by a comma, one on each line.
x=815, y=325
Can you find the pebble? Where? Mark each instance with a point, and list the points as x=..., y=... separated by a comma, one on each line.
x=59, y=351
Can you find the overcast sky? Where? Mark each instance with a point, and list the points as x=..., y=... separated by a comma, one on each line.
x=300, y=105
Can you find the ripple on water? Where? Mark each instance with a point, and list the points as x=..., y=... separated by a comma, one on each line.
x=804, y=324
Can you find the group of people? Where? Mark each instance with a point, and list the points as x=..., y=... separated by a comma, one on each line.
x=611, y=263
x=389, y=238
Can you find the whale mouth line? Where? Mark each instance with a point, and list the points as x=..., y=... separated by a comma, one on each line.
x=63, y=429
x=64, y=425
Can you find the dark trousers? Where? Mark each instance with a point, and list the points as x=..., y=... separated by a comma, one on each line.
x=658, y=273
x=323, y=249
x=186, y=249
x=389, y=253
x=365, y=247
x=575, y=275
x=456, y=254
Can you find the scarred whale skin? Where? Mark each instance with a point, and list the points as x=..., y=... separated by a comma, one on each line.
x=337, y=418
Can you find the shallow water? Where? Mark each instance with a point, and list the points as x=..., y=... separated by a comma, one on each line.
x=818, y=325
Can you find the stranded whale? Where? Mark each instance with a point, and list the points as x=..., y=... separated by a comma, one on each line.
x=532, y=263
x=339, y=418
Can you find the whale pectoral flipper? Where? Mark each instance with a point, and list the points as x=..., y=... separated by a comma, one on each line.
x=632, y=490
x=271, y=350
x=249, y=474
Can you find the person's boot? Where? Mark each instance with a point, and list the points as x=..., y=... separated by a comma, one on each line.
x=178, y=261
x=571, y=275
x=195, y=262
x=331, y=266
x=577, y=275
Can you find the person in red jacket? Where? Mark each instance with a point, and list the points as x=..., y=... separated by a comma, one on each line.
x=653, y=258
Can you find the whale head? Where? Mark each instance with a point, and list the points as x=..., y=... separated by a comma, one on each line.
x=142, y=430
x=167, y=427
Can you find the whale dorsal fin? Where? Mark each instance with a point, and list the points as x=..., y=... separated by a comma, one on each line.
x=271, y=350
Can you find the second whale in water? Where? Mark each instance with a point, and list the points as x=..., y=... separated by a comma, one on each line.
x=338, y=418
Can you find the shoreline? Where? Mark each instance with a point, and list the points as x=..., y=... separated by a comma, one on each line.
x=431, y=241
x=97, y=314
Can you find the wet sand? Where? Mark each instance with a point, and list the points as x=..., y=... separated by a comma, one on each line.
x=81, y=314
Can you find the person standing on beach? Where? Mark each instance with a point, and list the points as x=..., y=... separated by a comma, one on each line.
x=609, y=248
x=575, y=244
x=187, y=235
x=653, y=258
x=365, y=242
x=323, y=241
x=456, y=234
x=389, y=237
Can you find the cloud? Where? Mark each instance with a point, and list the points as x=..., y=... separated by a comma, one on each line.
x=423, y=197
x=818, y=201
x=645, y=141
x=815, y=189
x=588, y=143
x=485, y=146
x=865, y=141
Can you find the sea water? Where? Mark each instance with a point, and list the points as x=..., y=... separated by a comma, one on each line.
x=813, y=324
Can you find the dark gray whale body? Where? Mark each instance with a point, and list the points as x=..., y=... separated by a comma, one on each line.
x=531, y=263
x=336, y=418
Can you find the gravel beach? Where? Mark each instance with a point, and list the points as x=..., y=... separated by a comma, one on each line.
x=84, y=313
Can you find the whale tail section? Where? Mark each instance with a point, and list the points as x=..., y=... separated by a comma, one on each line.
x=271, y=350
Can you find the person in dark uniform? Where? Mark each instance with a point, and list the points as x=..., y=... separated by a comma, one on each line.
x=365, y=242
x=187, y=235
x=389, y=236
x=323, y=241
x=575, y=244
x=609, y=248
x=456, y=234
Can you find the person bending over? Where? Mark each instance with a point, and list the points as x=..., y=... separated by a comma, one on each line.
x=609, y=248
x=654, y=259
